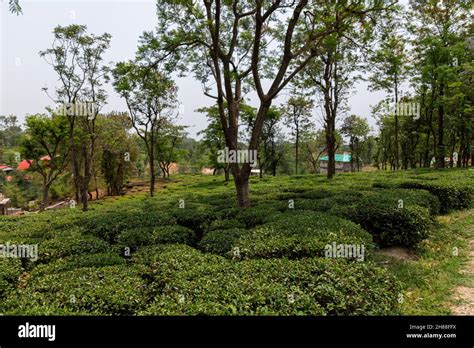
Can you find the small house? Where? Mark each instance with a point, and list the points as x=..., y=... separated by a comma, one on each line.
x=343, y=163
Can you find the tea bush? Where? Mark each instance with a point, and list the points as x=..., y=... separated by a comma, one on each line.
x=255, y=216
x=298, y=235
x=186, y=282
x=70, y=244
x=452, y=195
x=221, y=241
x=107, y=225
x=174, y=234
x=225, y=224
x=78, y=261
x=111, y=290
x=390, y=225
x=10, y=271
x=135, y=237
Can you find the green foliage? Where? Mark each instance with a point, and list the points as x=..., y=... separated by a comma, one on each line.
x=10, y=271
x=186, y=282
x=70, y=244
x=220, y=241
x=109, y=224
x=174, y=234
x=299, y=235
x=195, y=217
x=78, y=261
x=111, y=290
x=255, y=216
x=135, y=237
x=452, y=195
x=280, y=255
x=225, y=224
x=390, y=225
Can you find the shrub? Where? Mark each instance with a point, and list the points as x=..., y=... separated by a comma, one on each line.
x=221, y=241
x=70, y=244
x=174, y=234
x=186, y=282
x=107, y=225
x=317, y=194
x=255, y=216
x=452, y=196
x=225, y=224
x=78, y=261
x=390, y=225
x=135, y=237
x=320, y=205
x=453, y=192
x=407, y=197
x=111, y=290
x=10, y=271
x=149, y=254
x=195, y=217
x=300, y=234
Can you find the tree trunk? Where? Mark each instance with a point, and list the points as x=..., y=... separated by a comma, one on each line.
x=152, y=166
x=297, y=150
x=44, y=203
x=397, y=154
x=85, y=179
x=331, y=141
x=242, y=186
x=440, y=146
x=351, y=146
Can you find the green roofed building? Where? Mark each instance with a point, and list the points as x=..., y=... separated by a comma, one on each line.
x=343, y=163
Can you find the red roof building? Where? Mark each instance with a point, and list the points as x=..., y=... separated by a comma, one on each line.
x=24, y=165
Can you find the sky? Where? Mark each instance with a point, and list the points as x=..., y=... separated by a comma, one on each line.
x=23, y=73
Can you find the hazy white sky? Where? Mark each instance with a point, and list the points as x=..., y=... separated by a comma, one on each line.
x=23, y=73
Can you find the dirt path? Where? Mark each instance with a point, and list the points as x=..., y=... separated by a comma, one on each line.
x=464, y=295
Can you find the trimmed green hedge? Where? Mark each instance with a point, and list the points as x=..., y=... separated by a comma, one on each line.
x=186, y=282
x=255, y=216
x=390, y=225
x=134, y=238
x=10, y=271
x=107, y=225
x=454, y=193
x=221, y=241
x=78, y=261
x=111, y=290
x=174, y=234
x=299, y=234
x=452, y=196
x=226, y=224
x=70, y=244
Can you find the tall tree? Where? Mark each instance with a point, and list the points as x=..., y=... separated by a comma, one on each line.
x=297, y=115
x=238, y=44
x=332, y=73
x=117, y=151
x=213, y=139
x=357, y=129
x=440, y=29
x=168, y=151
x=77, y=59
x=389, y=69
x=46, y=145
x=151, y=100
